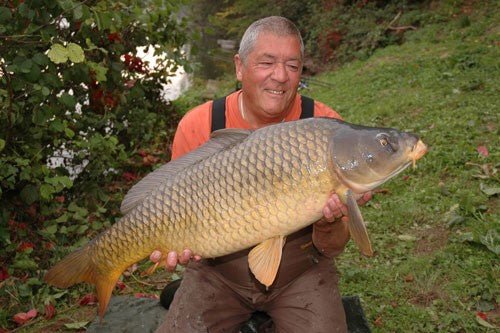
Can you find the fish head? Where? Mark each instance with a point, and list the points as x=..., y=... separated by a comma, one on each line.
x=365, y=157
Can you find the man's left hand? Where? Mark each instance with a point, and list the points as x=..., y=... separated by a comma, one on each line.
x=331, y=233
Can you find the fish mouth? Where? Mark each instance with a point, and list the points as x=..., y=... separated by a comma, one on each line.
x=417, y=152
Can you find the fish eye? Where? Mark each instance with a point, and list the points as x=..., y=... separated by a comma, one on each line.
x=383, y=141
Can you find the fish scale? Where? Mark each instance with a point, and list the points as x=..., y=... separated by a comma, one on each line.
x=239, y=190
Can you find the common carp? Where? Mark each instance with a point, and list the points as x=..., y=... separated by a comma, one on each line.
x=242, y=189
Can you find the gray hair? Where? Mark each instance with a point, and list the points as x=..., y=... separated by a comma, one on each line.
x=277, y=25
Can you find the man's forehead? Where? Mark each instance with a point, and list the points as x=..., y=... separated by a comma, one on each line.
x=276, y=56
x=265, y=47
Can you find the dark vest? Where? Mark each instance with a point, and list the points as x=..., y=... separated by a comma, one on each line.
x=219, y=111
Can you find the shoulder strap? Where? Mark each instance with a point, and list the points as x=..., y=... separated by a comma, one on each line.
x=307, y=107
x=219, y=111
x=218, y=114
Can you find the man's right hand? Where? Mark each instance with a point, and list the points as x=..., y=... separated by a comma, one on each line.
x=173, y=258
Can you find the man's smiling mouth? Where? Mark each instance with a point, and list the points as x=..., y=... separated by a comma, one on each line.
x=276, y=92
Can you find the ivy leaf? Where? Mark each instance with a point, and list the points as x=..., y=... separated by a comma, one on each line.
x=100, y=71
x=2, y=144
x=51, y=229
x=75, y=53
x=29, y=194
x=5, y=14
x=46, y=191
x=78, y=12
x=58, y=54
x=25, y=264
x=69, y=132
x=68, y=100
x=26, y=65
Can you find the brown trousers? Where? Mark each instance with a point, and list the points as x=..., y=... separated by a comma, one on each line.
x=220, y=295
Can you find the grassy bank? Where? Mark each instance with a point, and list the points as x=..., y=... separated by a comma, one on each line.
x=436, y=229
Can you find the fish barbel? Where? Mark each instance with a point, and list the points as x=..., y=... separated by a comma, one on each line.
x=242, y=189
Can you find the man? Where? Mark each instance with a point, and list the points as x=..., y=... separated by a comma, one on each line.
x=219, y=295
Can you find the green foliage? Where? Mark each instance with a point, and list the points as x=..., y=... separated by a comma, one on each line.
x=73, y=88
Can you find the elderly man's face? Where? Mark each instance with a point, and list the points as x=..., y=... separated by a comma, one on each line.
x=270, y=76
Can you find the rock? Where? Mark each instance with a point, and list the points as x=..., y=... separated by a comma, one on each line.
x=128, y=314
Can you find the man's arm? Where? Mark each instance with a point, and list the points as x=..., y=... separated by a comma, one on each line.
x=331, y=233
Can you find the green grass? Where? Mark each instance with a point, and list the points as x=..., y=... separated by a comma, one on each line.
x=435, y=231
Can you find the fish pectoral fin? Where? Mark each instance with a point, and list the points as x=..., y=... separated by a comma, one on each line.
x=357, y=227
x=264, y=259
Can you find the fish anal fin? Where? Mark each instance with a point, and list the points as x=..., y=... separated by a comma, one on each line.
x=264, y=259
x=104, y=288
x=357, y=227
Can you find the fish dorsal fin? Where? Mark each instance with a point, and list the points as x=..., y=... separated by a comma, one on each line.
x=264, y=259
x=220, y=140
x=357, y=227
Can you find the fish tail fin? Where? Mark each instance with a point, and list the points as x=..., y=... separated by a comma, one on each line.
x=78, y=267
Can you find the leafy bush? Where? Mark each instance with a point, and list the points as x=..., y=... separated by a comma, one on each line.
x=77, y=105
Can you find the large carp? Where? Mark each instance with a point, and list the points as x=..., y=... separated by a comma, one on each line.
x=241, y=189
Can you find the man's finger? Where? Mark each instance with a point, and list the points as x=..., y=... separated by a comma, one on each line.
x=337, y=206
x=155, y=256
x=171, y=261
x=185, y=257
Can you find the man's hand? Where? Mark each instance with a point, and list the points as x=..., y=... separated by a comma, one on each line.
x=331, y=233
x=173, y=258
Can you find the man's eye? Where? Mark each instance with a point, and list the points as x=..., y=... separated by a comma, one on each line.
x=293, y=68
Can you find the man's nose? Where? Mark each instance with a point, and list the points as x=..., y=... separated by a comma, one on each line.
x=279, y=73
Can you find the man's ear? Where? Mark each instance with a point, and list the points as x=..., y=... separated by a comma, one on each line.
x=238, y=64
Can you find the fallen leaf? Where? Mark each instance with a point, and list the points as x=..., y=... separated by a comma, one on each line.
x=378, y=321
x=4, y=274
x=482, y=322
x=49, y=311
x=407, y=238
x=149, y=160
x=129, y=176
x=22, y=317
x=482, y=315
x=409, y=278
x=489, y=191
x=483, y=151
x=120, y=285
x=25, y=246
x=89, y=299
x=77, y=325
